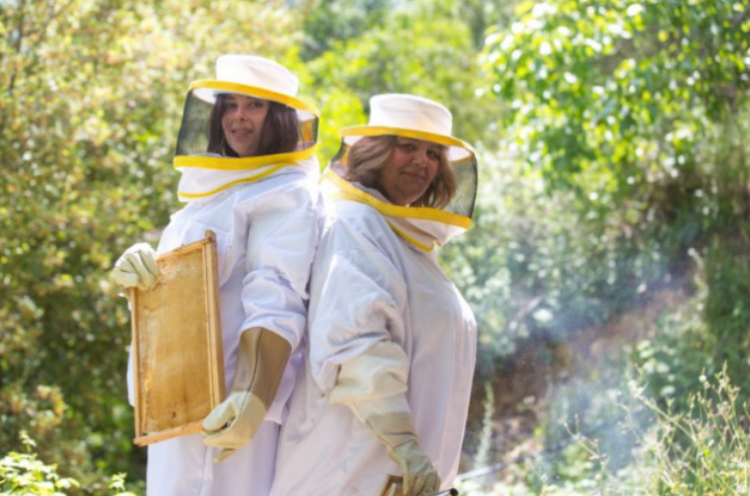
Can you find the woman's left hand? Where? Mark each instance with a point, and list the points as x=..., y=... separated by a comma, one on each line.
x=233, y=423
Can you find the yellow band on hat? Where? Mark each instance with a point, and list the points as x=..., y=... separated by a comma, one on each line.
x=291, y=101
x=406, y=133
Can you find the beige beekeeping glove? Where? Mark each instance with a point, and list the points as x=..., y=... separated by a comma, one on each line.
x=136, y=268
x=373, y=385
x=261, y=359
x=397, y=433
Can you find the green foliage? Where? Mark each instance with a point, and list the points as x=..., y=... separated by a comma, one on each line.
x=411, y=54
x=662, y=418
x=700, y=450
x=476, y=15
x=620, y=136
x=636, y=111
x=638, y=108
x=534, y=269
x=24, y=474
x=727, y=309
x=328, y=21
x=614, y=98
x=91, y=95
x=671, y=363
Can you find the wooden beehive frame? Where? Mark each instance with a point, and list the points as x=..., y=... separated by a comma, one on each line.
x=177, y=348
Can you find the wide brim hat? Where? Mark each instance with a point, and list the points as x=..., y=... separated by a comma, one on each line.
x=410, y=116
x=416, y=117
x=256, y=76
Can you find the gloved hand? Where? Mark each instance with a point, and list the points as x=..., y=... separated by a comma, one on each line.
x=373, y=385
x=234, y=422
x=396, y=432
x=261, y=359
x=136, y=267
x=420, y=477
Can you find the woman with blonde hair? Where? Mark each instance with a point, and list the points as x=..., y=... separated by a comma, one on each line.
x=381, y=406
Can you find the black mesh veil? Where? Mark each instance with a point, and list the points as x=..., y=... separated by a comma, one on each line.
x=463, y=201
x=462, y=165
x=286, y=129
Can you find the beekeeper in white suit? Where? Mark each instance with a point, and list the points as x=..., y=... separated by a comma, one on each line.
x=392, y=342
x=252, y=179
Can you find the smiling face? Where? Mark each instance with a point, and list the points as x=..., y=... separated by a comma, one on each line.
x=409, y=171
x=242, y=123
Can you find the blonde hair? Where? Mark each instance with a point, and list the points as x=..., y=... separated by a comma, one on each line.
x=368, y=156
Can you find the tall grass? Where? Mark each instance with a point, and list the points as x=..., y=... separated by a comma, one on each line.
x=701, y=450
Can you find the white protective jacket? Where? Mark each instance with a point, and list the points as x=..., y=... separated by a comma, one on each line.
x=369, y=284
x=266, y=231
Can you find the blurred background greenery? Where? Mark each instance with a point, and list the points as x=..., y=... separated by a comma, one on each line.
x=607, y=265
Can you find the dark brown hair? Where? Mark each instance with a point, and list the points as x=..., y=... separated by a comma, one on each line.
x=368, y=156
x=280, y=132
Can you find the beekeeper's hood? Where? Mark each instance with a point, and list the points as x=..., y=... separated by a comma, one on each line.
x=223, y=139
x=417, y=118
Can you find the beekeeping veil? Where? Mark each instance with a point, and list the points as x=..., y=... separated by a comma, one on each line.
x=418, y=118
x=287, y=137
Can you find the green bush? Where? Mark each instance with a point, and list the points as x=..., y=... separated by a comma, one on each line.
x=536, y=270
x=701, y=449
x=91, y=96
x=24, y=474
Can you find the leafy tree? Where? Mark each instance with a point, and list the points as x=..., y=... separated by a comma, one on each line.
x=327, y=21
x=476, y=15
x=619, y=101
x=638, y=109
x=91, y=94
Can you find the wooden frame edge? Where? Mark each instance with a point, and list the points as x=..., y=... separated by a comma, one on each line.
x=133, y=294
x=214, y=319
x=168, y=434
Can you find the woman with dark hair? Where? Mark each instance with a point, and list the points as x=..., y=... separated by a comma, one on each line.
x=278, y=133
x=248, y=172
x=381, y=406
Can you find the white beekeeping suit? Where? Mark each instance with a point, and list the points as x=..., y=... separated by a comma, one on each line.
x=263, y=208
x=390, y=336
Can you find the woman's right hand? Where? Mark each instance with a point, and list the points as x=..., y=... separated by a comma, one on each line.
x=136, y=267
x=420, y=477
